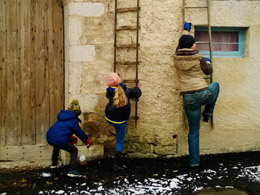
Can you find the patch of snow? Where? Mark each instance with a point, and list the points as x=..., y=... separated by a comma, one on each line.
x=174, y=184
x=253, y=173
x=229, y=187
x=197, y=189
x=210, y=171
x=46, y=174
x=126, y=181
x=60, y=192
x=209, y=178
x=100, y=188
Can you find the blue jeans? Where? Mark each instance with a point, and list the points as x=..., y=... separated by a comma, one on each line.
x=192, y=105
x=120, y=135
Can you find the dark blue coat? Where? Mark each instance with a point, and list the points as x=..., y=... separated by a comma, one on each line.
x=66, y=125
x=120, y=114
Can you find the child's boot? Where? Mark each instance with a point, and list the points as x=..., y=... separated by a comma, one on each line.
x=117, y=166
x=54, y=165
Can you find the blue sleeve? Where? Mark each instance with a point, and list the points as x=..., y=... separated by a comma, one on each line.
x=78, y=131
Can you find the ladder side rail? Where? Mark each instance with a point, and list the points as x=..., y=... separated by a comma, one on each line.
x=210, y=37
x=137, y=42
x=183, y=11
x=184, y=117
x=210, y=51
x=137, y=60
x=115, y=36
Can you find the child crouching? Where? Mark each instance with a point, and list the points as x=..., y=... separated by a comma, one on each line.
x=60, y=136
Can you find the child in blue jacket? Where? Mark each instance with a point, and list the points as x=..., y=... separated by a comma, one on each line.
x=60, y=136
x=118, y=110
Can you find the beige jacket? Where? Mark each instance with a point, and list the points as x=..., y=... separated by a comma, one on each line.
x=188, y=65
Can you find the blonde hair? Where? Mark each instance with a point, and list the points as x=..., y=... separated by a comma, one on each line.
x=120, y=98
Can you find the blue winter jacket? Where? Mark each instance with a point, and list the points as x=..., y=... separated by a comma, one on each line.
x=66, y=125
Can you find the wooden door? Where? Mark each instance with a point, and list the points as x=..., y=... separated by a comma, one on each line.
x=31, y=70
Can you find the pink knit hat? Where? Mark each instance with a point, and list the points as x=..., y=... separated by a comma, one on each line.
x=113, y=79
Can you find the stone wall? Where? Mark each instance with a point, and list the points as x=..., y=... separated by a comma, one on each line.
x=162, y=127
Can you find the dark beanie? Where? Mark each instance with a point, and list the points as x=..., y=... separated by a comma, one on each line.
x=186, y=41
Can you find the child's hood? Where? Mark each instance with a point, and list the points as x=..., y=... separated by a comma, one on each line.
x=65, y=115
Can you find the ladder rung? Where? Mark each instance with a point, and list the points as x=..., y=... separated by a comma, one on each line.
x=130, y=81
x=202, y=42
x=128, y=46
x=130, y=9
x=127, y=28
x=134, y=117
x=196, y=7
x=127, y=63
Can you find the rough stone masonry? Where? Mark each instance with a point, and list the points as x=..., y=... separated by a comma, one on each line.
x=162, y=128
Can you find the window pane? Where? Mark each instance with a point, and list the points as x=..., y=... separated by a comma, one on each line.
x=221, y=41
x=202, y=36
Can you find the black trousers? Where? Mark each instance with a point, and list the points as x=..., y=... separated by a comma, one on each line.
x=69, y=148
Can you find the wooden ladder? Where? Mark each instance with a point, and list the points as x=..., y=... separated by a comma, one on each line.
x=208, y=25
x=126, y=47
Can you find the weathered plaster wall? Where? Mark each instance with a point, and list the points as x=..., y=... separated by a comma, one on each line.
x=162, y=129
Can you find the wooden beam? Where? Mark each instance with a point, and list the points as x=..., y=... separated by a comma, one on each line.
x=26, y=152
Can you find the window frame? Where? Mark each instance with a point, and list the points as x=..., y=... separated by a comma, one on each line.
x=234, y=54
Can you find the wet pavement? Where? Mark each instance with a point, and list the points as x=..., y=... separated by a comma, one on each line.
x=233, y=173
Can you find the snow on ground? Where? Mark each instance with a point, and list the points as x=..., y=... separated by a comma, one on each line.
x=158, y=185
x=253, y=172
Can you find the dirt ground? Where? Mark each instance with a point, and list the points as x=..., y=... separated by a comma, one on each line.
x=219, y=174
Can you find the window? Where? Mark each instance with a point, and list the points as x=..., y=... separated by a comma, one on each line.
x=226, y=42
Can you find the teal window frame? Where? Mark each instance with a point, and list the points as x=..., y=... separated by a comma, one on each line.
x=233, y=54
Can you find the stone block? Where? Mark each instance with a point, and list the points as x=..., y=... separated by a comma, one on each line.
x=75, y=70
x=86, y=9
x=74, y=31
x=81, y=53
x=165, y=150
